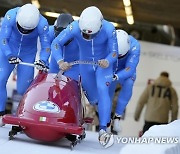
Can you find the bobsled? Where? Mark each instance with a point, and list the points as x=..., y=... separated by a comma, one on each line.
x=50, y=109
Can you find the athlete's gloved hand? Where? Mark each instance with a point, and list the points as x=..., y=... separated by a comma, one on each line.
x=64, y=65
x=40, y=65
x=14, y=60
x=103, y=63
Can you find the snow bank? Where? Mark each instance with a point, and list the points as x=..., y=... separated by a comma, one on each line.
x=169, y=131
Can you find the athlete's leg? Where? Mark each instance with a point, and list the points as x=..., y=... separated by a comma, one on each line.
x=5, y=71
x=104, y=79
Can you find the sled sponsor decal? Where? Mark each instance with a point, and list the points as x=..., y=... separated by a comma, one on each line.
x=46, y=106
x=42, y=118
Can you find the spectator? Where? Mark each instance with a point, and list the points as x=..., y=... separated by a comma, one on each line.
x=160, y=98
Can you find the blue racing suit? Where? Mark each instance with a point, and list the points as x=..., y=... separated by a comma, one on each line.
x=70, y=54
x=14, y=43
x=95, y=80
x=125, y=69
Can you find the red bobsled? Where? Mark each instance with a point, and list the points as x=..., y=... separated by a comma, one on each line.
x=50, y=110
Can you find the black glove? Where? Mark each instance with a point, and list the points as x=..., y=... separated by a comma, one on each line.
x=40, y=65
x=14, y=60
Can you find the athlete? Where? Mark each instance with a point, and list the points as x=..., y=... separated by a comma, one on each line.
x=98, y=43
x=125, y=73
x=70, y=48
x=20, y=30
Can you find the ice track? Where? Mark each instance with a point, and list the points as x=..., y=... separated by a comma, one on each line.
x=23, y=144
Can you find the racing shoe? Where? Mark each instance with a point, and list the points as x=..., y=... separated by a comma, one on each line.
x=109, y=126
x=106, y=139
x=1, y=122
x=117, y=124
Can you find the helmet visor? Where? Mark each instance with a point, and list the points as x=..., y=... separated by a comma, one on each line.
x=23, y=30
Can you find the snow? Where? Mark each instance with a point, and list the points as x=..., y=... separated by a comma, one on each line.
x=90, y=145
x=169, y=130
x=24, y=144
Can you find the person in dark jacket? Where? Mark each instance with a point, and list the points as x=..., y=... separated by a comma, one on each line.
x=160, y=98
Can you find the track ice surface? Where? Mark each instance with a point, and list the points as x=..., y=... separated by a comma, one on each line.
x=25, y=145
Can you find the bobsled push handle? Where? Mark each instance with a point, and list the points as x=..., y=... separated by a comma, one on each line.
x=83, y=62
x=32, y=65
x=60, y=73
x=27, y=64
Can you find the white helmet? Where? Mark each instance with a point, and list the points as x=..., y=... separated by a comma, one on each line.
x=28, y=17
x=90, y=20
x=123, y=42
